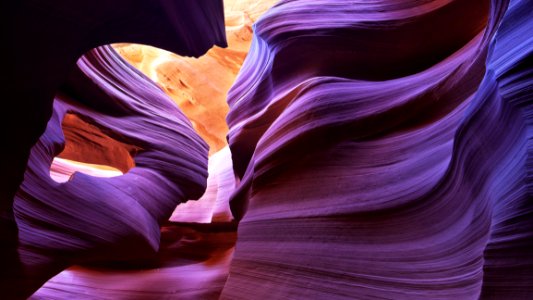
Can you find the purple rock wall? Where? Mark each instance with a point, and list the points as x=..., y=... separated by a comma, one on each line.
x=376, y=164
x=381, y=150
x=43, y=41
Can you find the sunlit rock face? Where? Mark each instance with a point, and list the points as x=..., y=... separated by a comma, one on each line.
x=200, y=86
x=382, y=154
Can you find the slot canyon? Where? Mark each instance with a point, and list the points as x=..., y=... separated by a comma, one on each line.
x=267, y=149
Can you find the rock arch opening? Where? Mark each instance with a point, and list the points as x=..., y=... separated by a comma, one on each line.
x=91, y=151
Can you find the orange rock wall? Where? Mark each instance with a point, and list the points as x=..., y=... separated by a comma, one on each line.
x=200, y=85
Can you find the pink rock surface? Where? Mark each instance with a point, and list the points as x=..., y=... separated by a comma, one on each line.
x=213, y=206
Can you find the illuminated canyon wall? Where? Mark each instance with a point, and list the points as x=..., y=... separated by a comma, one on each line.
x=199, y=86
x=375, y=150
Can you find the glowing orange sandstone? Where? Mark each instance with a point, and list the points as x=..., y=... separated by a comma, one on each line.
x=199, y=86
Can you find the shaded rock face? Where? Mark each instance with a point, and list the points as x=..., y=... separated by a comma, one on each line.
x=90, y=219
x=192, y=263
x=376, y=150
x=382, y=154
x=61, y=32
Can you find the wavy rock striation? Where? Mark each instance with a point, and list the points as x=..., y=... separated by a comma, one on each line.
x=372, y=163
x=192, y=263
x=193, y=257
x=91, y=219
x=43, y=42
x=378, y=149
x=213, y=206
x=500, y=127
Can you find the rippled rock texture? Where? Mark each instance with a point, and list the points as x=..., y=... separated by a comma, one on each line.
x=376, y=150
x=92, y=219
x=383, y=154
x=49, y=226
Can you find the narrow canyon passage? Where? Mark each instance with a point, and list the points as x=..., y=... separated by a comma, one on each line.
x=197, y=242
x=268, y=149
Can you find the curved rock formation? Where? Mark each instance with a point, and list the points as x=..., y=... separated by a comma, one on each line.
x=213, y=206
x=192, y=263
x=378, y=150
x=199, y=85
x=61, y=32
x=62, y=169
x=370, y=167
x=88, y=143
x=89, y=219
x=500, y=127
